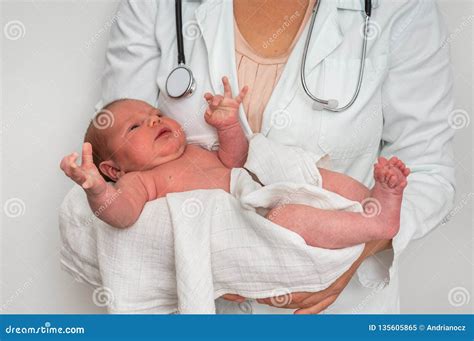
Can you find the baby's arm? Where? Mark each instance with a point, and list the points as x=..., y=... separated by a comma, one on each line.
x=122, y=203
x=119, y=205
x=223, y=114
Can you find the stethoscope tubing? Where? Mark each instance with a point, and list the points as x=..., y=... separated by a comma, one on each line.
x=326, y=103
x=179, y=32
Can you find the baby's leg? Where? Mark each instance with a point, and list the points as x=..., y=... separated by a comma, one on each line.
x=344, y=185
x=328, y=229
x=337, y=229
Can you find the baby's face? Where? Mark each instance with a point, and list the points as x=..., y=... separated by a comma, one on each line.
x=141, y=137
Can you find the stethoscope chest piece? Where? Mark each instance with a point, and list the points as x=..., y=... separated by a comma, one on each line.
x=180, y=82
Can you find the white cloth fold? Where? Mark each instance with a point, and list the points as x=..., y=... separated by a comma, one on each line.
x=190, y=248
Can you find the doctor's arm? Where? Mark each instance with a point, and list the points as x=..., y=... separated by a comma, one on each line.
x=417, y=101
x=133, y=54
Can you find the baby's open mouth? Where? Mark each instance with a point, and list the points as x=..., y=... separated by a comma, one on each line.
x=162, y=132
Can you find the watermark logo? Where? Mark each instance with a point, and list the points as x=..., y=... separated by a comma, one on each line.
x=373, y=30
x=459, y=296
x=102, y=297
x=281, y=297
x=14, y=30
x=371, y=207
x=459, y=119
x=287, y=22
x=14, y=207
x=458, y=208
x=458, y=30
x=281, y=119
x=246, y=307
x=192, y=208
x=103, y=119
x=104, y=29
x=191, y=30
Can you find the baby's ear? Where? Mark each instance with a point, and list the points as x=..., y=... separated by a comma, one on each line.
x=111, y=169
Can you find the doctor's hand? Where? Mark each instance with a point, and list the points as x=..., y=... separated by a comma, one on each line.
x=234, y=298
x=86, y=175
x=315, y=302
x=223, y=111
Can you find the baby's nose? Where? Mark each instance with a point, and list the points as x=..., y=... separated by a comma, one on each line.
x=154, y=120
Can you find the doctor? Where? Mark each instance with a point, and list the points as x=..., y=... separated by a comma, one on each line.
x=402, y=108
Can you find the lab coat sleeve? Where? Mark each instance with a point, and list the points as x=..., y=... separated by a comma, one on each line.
x=133, y=54
x=417, y=101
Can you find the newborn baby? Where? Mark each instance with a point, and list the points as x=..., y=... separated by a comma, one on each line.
x=146, y=156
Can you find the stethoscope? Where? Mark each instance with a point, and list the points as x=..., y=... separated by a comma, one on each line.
x=333, y=104
x=181, y=83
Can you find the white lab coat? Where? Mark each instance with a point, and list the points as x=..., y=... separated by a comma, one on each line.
x=402, y=109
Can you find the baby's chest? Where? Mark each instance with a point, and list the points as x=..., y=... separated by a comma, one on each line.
x=193, y=176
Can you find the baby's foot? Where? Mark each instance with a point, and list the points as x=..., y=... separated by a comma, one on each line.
x=390, y=181
x=391, y=175
x=396, y=162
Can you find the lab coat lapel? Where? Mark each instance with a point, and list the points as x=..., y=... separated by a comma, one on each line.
x=216, y=21
x=215, y=24
x=327, y=36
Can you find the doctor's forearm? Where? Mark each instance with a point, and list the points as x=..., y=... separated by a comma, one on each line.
x=376, y=246
x=370, y=249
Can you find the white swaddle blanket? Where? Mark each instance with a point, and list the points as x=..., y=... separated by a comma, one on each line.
x=190, y=248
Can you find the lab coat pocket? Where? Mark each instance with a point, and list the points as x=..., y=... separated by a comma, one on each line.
x=357, y=130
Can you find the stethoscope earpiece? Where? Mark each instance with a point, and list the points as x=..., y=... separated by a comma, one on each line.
x=331, y=105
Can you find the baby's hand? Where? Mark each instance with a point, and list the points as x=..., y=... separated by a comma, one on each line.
x=223, y=111
x=87, y=175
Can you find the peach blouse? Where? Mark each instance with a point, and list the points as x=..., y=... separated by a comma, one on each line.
x=259, y=73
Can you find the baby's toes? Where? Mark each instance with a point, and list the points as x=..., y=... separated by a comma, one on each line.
x=401, y=186
x=399, y=182
x=379, y=174
x=406, y=172
x=393, y=161
x=393, y=180
x=381, y=165
x=400, y=165
x=381, y=161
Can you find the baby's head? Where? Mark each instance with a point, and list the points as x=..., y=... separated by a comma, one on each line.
x=130, y=135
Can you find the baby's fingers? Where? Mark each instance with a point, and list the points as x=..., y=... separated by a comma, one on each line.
x=216, y=100
x=87, y=158
x=69, y=162
x=208, y=97
x=78, y=175
x=62, y=165
x=92, y=178
x=88, y=183
x=227, y=88
x=240, y=97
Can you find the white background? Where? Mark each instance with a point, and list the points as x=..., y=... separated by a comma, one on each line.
x=50, y=83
